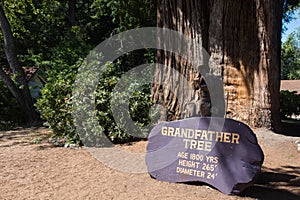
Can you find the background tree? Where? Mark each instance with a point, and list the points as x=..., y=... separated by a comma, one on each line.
x=289, y=8
x=44, y=36
x=290, y=57
x=99, y=19
x=18, y=87
x=243, y=40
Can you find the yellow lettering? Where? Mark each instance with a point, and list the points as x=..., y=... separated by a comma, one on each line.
x=219, y=136
x=204, y=135
x=182, y=155
x=201, y=174
x=170, y=131
x=211, y=134
x=198, y=139
x=186, y=143
x=191, y=172
x=191, y=133
x=207, y=146
x=193, y=144
x=226, y=137
x=200, y=145
x=177, y=132
x=164, y=130
x=235, y=138
x=197, y=134
x=184, y=133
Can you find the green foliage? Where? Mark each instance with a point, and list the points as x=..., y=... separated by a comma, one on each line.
x=139, y=104
x=56, y=101
x=289, y=8
x=10, y=112
x=128, y=14
x=290, y=57
x=55, y=104
x=43, y=32
x=45, y=38
x=289, y=104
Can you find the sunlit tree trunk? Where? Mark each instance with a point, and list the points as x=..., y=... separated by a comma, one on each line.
x=243, y=41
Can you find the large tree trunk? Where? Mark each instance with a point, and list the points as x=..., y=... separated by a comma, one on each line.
x=19, y=87
x=180, y=101
x=243, y=40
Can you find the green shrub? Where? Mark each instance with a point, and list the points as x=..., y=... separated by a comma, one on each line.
x=139, y=105
x=289, y=104
x=55, y=105
x=11, y=114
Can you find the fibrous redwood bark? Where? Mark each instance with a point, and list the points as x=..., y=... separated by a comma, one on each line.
x=180, y=101
x=243, y=41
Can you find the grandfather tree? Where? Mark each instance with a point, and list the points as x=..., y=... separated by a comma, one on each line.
x=243, y=41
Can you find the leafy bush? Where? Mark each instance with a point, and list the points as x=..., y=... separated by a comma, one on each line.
x=289, y=104
x=55, y=104
x=96, y=20
x=10, y=111
x=139, y=105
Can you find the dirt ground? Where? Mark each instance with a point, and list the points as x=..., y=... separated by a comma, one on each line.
x=33, y=168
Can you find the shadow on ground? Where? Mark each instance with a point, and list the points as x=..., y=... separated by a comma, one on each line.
x=272, y=184
x=290, y=128
x=23, y=137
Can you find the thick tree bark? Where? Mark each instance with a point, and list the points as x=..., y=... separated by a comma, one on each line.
x=19, y=88
x=180, y=101
x=243, y=40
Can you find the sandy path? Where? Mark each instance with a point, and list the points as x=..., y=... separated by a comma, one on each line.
x=42, y=171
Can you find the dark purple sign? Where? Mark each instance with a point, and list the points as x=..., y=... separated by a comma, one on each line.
x=223, y=153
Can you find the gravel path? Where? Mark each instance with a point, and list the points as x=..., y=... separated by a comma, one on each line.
x=32, y=168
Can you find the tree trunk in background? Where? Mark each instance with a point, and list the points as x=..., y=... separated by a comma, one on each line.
x=19, y=88
x=243, y=39
x=72, y=12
